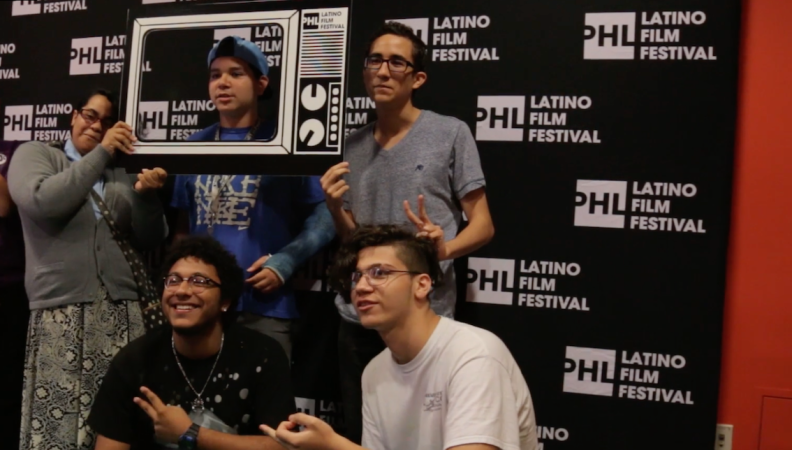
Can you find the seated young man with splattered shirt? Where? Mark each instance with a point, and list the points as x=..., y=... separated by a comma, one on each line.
x=203, y=382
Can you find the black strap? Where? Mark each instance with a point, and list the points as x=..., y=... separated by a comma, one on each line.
x=60, y=145
x=148, y=295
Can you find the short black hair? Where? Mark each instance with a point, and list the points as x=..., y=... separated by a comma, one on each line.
x=106, y=93
x=419, y=254
x=399, y=29
x=212, y=252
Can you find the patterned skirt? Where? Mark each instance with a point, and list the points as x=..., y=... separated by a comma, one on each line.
x=69, y=350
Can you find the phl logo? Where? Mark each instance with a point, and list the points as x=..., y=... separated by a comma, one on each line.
x=88, y=55
x=609, y=36
x=98, y=55
x=615, y=36
x=600, y=203
x=503, y=118
x=24, y=8
x=501, y=280
x=159, y=121
x=536, y=285
x=310, y=21
x=18, y=123
x=35, y=122
x=589, y=371
x=593, y=371
x=500, y=118
x=153, y=120
x=604, y=204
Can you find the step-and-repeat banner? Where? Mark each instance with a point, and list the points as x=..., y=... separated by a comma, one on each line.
x=606, y=132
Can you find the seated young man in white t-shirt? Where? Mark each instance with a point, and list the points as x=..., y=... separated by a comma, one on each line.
x=439, y=384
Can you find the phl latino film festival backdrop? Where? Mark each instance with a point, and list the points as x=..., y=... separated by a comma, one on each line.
x=606, y=134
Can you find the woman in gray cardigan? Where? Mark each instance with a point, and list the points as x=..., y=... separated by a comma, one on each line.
x=81, y=288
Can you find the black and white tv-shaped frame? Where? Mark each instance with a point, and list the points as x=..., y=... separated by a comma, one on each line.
x=311, y=95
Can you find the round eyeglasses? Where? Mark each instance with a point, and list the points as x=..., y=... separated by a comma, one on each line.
x=196, y=282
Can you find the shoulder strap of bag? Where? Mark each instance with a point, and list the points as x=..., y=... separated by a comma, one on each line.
x=146, y=289
x=60, y=145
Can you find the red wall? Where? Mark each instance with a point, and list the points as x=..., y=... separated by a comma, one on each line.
x=757, y=346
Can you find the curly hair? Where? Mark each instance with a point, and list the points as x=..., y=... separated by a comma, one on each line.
x=399, y=29
x=417, y=253
x=208, y=250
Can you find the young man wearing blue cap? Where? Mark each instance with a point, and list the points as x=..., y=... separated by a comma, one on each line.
x=271, y=224
x=408, y=155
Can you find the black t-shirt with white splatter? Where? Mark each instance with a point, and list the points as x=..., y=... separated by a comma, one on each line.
x=250, y=385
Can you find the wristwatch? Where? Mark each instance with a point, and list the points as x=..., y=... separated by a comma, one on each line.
x=189, y=440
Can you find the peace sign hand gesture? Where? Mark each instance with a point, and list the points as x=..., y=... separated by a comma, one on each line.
x=426, y=228
x=170, y=422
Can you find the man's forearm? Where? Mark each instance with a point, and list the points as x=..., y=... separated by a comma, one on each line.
x=344, y=223
x=475, y=235
x=215, y=440
x=317, y=232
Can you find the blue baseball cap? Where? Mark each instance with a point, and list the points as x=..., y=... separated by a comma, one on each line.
x=239, y=48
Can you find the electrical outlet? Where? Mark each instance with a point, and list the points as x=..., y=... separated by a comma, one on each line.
x=723, y=436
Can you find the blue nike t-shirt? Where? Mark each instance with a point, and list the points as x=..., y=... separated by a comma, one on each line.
x=257, y=215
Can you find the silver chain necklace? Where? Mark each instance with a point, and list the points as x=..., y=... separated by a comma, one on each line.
x=248, y=136
x=198, y=404
x=214, y=203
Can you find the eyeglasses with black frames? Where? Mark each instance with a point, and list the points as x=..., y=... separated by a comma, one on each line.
x=395, y=65
x=91, y=117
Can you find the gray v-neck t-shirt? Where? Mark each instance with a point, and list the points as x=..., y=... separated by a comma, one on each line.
x=437, y=158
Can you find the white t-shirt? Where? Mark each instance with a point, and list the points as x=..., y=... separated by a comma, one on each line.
x=464, y=387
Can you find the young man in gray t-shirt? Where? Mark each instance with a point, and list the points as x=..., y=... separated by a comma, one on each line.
x=408, y=157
